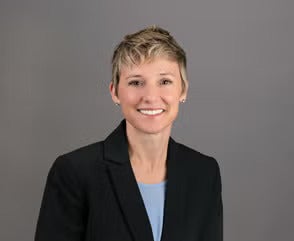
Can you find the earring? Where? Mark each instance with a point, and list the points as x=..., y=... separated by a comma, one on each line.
x=183, y=101
x=117, y=104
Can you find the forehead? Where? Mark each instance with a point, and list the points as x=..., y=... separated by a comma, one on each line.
x=156, y=66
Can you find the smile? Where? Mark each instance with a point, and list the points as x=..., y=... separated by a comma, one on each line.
x=151, y=112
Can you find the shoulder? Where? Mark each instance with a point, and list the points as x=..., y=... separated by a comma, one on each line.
x=194, y=157
x=198, y=167
x=86, y=153
x=193, y=161
x=80, y=162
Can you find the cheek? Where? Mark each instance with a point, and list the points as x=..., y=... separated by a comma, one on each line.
x=173, y=97
x=128, y=97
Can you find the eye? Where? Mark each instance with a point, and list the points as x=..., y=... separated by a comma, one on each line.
x=165, y=82
x=135, y=83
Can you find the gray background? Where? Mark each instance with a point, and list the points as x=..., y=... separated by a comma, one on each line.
x=55, y=70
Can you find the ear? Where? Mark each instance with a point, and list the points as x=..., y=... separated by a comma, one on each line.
x=184, y=91
x=112, y=91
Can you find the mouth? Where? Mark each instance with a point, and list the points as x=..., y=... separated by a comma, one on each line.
x=151, y=112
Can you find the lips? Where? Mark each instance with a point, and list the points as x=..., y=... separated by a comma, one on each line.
x=151, y=112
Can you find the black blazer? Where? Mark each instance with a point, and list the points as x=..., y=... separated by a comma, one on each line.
x=91, y=194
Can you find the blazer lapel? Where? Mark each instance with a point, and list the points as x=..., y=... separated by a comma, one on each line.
x=173, y=200
x=125, y=185
x=128, y=193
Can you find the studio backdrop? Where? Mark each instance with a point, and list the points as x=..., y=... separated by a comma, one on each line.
x=54, y=75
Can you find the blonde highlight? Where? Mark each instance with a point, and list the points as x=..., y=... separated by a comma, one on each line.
x=146, y=45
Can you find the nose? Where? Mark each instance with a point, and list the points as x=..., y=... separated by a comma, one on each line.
x=150, y=93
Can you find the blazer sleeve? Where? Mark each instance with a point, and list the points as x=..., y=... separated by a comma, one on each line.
x=214, y=227
x=63, y=210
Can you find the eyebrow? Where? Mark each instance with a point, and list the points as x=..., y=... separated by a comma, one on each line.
x=133, y=76
x=139, y=76
x=168, y=73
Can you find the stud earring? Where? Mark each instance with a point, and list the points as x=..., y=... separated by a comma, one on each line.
x=117, y=104
x=183, y=101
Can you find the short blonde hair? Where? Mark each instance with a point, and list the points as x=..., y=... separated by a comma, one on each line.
x=145, y=45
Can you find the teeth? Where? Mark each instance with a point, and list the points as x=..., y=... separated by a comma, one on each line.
x=151, y=112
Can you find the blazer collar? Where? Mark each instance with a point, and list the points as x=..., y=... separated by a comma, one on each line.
x=116, y=146
x=128, y=193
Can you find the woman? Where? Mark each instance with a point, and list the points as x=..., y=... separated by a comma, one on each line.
x=138, y=184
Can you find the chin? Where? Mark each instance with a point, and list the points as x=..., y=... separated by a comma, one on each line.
x=151, y=129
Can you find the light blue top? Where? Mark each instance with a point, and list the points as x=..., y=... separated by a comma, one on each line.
x=153, y=196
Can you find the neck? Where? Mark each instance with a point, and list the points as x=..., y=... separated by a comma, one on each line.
x=148, y=152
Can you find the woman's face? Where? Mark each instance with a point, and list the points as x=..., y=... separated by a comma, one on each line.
x=149, y=95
